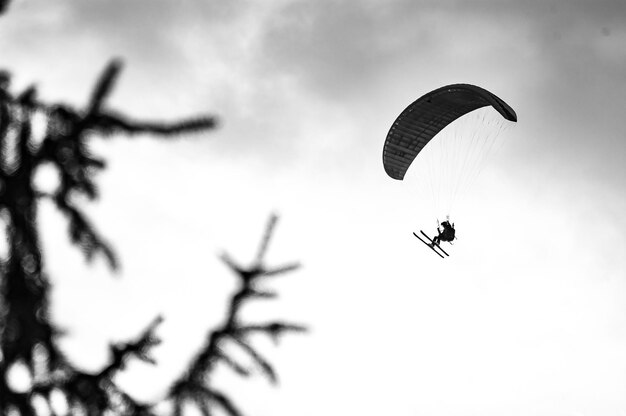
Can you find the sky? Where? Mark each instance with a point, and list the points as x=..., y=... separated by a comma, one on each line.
x=528, y=314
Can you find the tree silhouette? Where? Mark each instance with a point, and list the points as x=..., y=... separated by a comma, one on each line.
x=4, y=5
x=28, y=337
x=195, y=385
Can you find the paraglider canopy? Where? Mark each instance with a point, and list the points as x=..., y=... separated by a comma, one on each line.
x=427, y=116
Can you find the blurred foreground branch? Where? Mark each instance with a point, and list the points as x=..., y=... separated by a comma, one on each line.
x=196, y=386
x=4, y=5
x=28, y=337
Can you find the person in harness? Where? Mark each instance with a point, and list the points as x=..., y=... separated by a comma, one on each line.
x=445, y=234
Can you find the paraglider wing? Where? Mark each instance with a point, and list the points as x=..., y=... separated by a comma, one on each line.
x=427, y=116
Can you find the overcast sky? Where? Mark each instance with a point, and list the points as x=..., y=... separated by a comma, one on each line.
x=528, y=314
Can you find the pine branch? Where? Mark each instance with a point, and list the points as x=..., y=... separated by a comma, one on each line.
x=83, y=234
x=234, y=365
x=28, y=98
x=226, y=403
x=66, y=147
x=23, y=139
x=281, y=270
x=109, y=123
x=96, y=393
x=137, y=409
x=6, y=122
x=103, y=87
x=266, y=240
x=262, y=294
x=202, y=365
x=139, y=349
x=4, y=5
x=267, y=368
x=275, y=329
x=25, y=324
x=204, y=407
x=87, y=393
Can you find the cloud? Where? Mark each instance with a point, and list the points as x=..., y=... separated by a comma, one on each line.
x=293, y=79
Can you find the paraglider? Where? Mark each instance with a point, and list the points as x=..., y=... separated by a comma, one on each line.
x=447, y=234
x=431, y=244
x=422, y=123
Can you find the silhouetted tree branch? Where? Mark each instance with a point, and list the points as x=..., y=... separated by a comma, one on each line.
x=4, y=5
x=97, y=393
x=195, y=385
x=28, y=337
